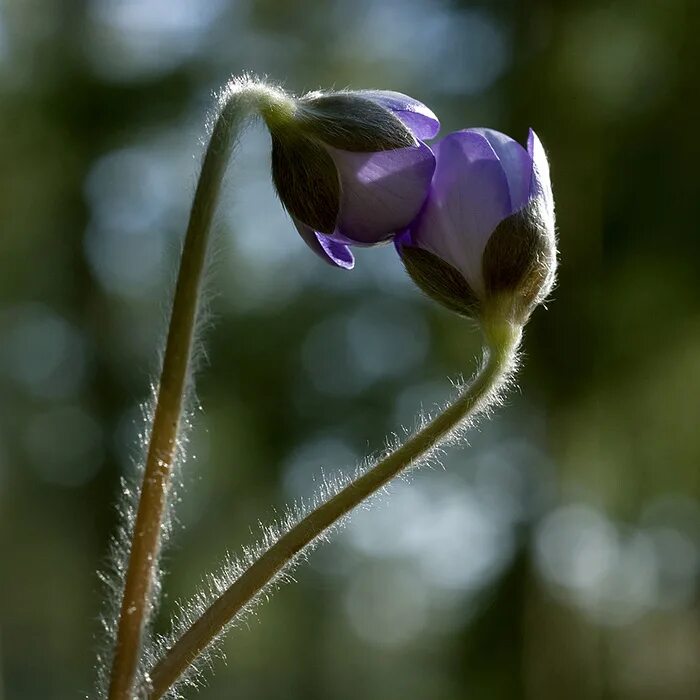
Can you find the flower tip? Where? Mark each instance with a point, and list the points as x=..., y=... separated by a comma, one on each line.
x=419, y=119
x=422, y=121
x=337, y=254
x=533, y=142
x=330, y=251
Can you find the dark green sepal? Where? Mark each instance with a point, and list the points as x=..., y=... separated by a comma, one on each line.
x=517, y=261
x=351, y=122
x=440, y=281
x=306, y=180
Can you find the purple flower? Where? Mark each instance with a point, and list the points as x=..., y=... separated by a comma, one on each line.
x=351, y=168
x=485, y=236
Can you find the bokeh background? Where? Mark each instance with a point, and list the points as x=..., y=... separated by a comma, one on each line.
x=558, y=556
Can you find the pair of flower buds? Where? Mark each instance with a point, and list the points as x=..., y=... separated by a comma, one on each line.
x=471, y=216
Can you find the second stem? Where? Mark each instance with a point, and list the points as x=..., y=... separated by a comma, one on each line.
x=474, y=399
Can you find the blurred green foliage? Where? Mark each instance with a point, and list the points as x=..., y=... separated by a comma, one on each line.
x=557, y=556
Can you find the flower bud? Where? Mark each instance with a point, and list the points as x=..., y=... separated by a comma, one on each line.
x=350, y=167
x=484, y=243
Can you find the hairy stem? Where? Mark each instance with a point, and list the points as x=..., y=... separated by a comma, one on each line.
x=236, y=106
x=475, y=398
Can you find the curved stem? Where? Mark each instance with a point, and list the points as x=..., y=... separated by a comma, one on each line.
x=475, y=398
x=175, y=375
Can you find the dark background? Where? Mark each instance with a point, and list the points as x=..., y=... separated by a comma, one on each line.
x=556, y=557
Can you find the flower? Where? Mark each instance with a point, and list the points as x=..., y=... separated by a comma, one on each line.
x=484, y=242
x=351, y=167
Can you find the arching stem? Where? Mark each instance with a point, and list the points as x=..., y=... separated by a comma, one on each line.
x=484, y=389
x=239, y=101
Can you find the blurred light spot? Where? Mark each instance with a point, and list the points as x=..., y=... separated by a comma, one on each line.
x=43, y=352
x=307, y=466
x=505, y=483
x=386, y=606
x=576, y=547
x=465, y=546
x=136, y=197
x=386, y=340
x=131, y=39
x=345, y=354
x=632, y=588
x=452, y=540
x=124, y=263
x=64, y=445
x=131, y=189
x=271, y=261
x=613, y=578
x=461, y=52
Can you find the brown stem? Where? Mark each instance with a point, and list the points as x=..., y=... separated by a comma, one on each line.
x=162, y=449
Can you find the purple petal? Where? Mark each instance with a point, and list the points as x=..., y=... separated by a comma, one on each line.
x=414, y=114
x=469, y=197
x=403, y=238
x=540, y=184
x=517, y=165
x=380, y=192
x=328, y=250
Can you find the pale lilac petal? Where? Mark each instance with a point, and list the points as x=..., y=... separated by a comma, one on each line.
x=380, y=192
x=469, y=197
x=414, y=114
x=517, y=165
x=328, y=250
x=541, y=185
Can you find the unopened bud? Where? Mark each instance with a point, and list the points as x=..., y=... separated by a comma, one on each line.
x=350, y=167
